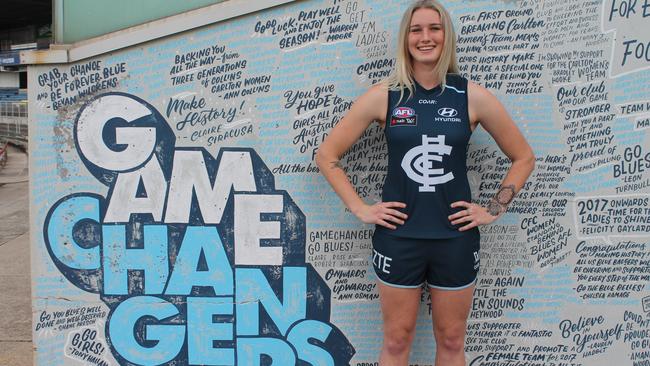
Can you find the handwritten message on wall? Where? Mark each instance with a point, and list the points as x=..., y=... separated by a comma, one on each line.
x=179, y=217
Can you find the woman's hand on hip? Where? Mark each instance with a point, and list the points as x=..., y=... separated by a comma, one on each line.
x=383, y=214
x=472, y=215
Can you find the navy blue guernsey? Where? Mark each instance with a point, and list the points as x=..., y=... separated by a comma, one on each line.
x=427, y=136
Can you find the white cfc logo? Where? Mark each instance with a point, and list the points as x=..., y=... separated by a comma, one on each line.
x=418, y=163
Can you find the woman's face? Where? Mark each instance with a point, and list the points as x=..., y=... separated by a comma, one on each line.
x=426, y=37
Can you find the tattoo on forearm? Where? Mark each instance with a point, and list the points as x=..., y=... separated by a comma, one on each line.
x=499, y=203
x=336, y=165
x=505, y=194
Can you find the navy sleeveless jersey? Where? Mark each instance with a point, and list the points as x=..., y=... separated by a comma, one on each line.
x=427, y=136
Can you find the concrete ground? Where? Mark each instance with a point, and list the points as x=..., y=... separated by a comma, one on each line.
x=15, y=288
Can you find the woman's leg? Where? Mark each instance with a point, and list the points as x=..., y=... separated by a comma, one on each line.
x=399, y=307
x=449, y=310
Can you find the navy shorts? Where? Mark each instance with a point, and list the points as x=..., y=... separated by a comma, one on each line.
x=449, y=264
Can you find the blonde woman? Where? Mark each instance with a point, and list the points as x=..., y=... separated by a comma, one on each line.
x=426, y=225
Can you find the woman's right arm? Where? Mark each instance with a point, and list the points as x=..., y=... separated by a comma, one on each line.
x=369, y=107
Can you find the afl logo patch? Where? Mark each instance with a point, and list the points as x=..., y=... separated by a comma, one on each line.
x=403, y=112
x=403, y=116
x=447, y=112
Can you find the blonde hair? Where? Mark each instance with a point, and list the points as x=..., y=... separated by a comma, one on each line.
x=402, y=75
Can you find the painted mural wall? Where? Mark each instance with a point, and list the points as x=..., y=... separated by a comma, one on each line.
x=178, y=217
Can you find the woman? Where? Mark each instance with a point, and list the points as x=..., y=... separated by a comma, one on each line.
x=426, y=225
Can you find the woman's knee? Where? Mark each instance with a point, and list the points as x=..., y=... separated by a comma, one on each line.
x=398, y=341
x=451, y=340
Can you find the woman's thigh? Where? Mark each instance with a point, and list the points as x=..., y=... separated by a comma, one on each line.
x=399, y=307
x=450, y=310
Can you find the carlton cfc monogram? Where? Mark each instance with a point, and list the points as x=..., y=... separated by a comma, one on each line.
x=418, y=163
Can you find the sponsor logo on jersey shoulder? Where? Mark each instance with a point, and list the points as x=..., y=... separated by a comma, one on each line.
x=447, y=114
x=403, y=116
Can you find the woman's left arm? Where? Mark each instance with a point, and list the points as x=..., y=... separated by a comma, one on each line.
x=485, y=108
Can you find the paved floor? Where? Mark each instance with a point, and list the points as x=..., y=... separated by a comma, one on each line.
x=15, y=288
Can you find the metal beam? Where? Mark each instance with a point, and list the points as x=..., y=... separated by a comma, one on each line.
x=148, y=32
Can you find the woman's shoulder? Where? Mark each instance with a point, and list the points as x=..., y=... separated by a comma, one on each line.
x=380, y=87
x=370, y=105
x=481, y=99
x=377, y=92
x=478, y=91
